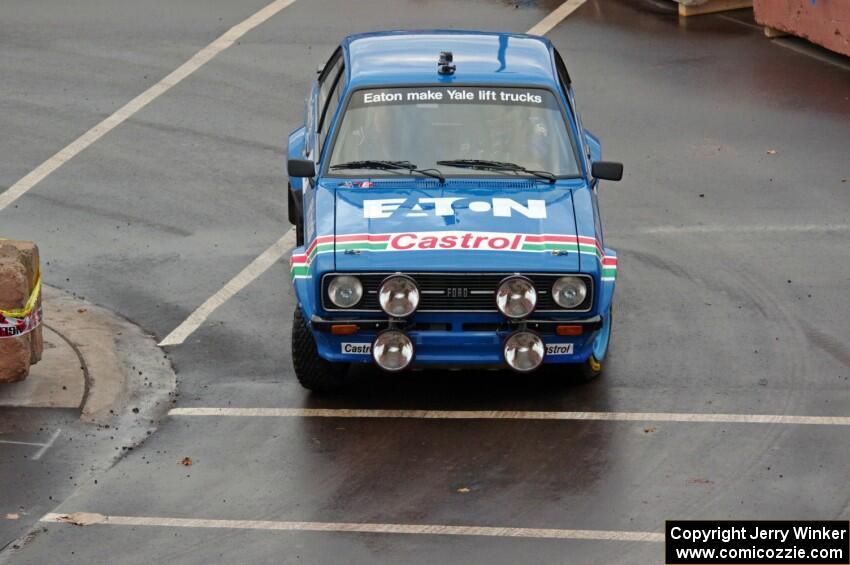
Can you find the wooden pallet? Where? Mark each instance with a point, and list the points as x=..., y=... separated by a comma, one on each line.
x=713, y=6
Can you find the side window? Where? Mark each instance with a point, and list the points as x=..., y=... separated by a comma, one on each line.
x=327, y=81
x=563, y=75
x=310, y=122
x=332, y=105
x=566, y=82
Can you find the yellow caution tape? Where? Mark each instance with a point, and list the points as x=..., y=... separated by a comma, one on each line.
x=20, y=321
x=31, y=302
x=29, y=306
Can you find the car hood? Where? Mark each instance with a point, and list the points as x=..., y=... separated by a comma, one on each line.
x=462, y=225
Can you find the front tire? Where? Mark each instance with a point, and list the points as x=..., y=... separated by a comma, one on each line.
x=313, y=372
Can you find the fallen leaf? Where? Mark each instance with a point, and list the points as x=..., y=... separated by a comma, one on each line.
x=187, y=462
x=771, y=151
x=463, y=490
x=83, y=518
x=12, y=516
x=82, y=310
x=648, y=430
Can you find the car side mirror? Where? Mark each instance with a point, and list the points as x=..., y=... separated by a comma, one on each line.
x=301, y=168
x=607, y=170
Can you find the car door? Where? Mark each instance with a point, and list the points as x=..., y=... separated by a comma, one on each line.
x=325, y=100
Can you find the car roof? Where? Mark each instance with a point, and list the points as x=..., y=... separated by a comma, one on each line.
x=410, y=57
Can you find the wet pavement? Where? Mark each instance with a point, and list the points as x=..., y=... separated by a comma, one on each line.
x=732, y=231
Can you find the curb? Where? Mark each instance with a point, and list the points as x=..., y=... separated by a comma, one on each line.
x=121, y=364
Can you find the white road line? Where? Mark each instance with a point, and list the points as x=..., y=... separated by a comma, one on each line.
x=47, y=445
x=256, y=268
x=21, y=443
x=125, y=112
x=514, y=415
x=370, y=528
x=555, y=17
x=714, y=228
x=43, y=446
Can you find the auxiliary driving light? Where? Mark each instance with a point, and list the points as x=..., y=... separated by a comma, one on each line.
x=392, y=350
x=345, y=291
x=516, y=297
x=569, y=292
x=398, y=296
x=524, y=351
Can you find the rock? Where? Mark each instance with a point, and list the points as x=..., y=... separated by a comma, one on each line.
x=19, y=264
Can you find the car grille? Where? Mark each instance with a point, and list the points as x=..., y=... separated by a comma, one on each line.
x=457, y=292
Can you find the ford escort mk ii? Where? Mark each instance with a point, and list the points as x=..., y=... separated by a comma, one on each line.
x=444, y=197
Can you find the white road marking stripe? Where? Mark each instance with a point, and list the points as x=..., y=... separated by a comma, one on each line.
x=514, y=415
x=47, y=445
x=713, y=228
x=125, y=112
x=256, y=268
x=422, y=529
x=21, y=443
x=555, y=17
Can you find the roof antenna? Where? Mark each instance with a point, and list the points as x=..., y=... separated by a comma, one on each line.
x=445, y=66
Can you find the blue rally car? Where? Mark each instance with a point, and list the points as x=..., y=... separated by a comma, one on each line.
x=443, y=192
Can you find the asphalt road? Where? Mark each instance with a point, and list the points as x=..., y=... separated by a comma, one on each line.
x=733, y=231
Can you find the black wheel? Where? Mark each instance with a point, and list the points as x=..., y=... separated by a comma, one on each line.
x=313, y=372
x=587, y=371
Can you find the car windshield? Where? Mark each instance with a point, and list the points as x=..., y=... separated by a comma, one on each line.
x=518, y=126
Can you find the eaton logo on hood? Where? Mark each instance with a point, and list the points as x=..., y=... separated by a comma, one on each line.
x=444, y=206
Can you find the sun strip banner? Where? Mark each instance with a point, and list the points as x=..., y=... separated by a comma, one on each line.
x=299, y=263
x=20, y=321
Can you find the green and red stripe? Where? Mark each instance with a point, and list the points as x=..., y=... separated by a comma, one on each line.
x=300, y=263
x=609, y=268
x=577, y=244
x=363, y=242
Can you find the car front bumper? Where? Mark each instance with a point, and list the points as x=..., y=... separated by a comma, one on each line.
x=453, y=344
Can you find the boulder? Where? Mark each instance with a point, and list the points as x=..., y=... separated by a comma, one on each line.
x=19, y=267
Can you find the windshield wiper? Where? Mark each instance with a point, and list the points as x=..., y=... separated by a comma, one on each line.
x=484, y=165
x=391, y=166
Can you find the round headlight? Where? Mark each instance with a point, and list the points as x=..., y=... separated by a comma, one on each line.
x=524, y=351
x=516, y=297
x=345, y=291
x=569, y=292
x=398, y=296
x=392, y=350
